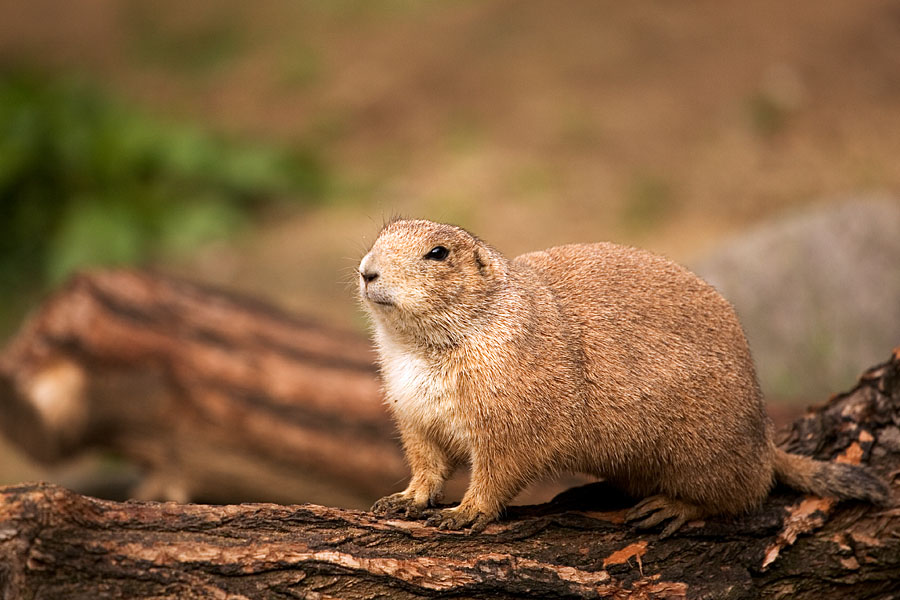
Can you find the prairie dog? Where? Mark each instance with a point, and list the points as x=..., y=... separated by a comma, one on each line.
x=589, y=358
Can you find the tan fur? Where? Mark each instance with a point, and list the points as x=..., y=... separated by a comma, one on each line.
x=590, y=358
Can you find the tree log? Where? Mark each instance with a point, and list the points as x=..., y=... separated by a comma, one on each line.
x=57, y=544
x=218, y=397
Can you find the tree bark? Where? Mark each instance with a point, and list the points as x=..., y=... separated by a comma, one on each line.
x=57, y=544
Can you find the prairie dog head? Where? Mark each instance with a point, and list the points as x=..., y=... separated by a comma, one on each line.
x=429, y=281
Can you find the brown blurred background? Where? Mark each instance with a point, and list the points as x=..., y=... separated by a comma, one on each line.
x=261, y=145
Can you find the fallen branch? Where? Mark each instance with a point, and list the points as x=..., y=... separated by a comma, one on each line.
x=216, y=396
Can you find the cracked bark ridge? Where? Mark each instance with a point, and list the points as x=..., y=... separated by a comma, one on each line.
x=54, y=543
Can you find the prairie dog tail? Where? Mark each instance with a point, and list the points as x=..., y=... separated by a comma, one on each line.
x=828, y=479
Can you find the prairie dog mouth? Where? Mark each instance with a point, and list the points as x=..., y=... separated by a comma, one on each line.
x=375, y=298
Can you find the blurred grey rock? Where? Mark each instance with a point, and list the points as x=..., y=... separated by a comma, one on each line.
x=818, y=294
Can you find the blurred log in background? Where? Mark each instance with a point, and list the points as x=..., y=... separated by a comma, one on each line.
x=215, y=397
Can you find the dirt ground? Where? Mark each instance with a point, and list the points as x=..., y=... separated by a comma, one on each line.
x=664, y=125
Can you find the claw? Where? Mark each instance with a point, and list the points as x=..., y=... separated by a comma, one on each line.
x=672, y=527
x=654, y=519
x=453, y=519
x=481, y=522
x=646, y=507
x=398, y=505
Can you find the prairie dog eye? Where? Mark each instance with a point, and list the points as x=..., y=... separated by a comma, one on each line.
x=437, y=253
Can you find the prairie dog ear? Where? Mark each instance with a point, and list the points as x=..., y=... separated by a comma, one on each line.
x=489, y=264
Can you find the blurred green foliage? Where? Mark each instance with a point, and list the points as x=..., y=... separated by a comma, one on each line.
x=85, y=180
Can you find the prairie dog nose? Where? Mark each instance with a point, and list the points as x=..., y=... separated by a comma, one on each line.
x=368, y=270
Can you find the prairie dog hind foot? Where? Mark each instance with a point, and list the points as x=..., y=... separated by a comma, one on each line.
x=652, y=511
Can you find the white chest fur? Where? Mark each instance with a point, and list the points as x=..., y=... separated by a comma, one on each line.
x=423, y=395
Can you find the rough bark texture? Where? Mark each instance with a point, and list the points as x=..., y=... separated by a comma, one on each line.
x=57, y=544
x=218, y=397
